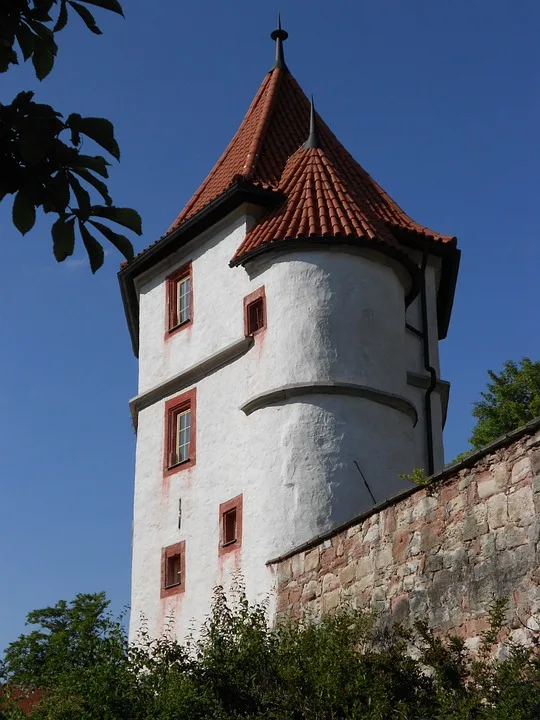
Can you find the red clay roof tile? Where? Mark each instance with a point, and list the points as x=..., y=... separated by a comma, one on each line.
x=319, y=204
x=341, y=199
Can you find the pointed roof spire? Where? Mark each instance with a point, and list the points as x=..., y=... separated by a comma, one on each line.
x=313, y=138
x=279, y=36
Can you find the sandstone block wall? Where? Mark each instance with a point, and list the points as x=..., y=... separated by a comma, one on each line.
x=440, y=553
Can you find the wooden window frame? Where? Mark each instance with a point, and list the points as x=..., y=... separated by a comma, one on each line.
x=235, y=503
x=173, y=408
x=253, y=297
x=167, y=552
x=171, y=324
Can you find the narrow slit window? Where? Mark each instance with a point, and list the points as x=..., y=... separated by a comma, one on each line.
x=183, y=436
x=180, y=432
x=183, y=300
x=229, y=527
x=255, y=313
x=180, y=298
x=173, y=571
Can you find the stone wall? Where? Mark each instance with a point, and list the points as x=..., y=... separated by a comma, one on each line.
x=439, y=553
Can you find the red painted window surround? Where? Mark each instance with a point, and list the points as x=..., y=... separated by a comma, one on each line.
x=255, y=312
x=230, y=525
x=172, y=326
x=173, y=408
x=173, y=569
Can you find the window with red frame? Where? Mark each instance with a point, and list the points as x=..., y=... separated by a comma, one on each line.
x=255, y=312
x=180, y=298
x=180, y=431
x=173, y=572
x=230, y=527
x=230, y=522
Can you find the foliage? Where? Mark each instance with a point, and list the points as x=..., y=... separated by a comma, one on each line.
x=512, y=399
x=41, y=158
x=73, y=635
x=460, y=457
x=347, y=665
x=417, y=476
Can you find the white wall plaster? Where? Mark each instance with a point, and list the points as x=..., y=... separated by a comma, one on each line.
x=332, y=316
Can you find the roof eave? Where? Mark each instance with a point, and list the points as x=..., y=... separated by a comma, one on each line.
x=333, y=242
x=238, y=193
x=450, y=258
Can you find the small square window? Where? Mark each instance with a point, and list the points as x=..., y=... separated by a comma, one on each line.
x=255, y=312
x=230, y=521
x=180, y=432
x=255, y=316
x=173, y=569
x=179, y=299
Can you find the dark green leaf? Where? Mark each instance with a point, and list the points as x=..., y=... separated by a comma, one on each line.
x=93, y=248
x=44, y=33
x=98, y=184
x=7, y=57
x=41, y=10
x=123, y=216
x=58, y=188
x=72, y=123
x=82, y=196
x=86, y=15
x=120, y=242
x=62, y=17
x=97, y=163
x=112, y=5
x=24, y=213
x=98, y=129
x=72, y=120
x=63, y=234
x=42, y=59
x=31, y=148
x=25, y=38
x=23, y=98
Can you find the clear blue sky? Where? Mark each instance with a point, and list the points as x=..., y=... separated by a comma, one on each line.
x=439, y=101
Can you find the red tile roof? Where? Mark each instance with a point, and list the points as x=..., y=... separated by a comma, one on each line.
x=25, y=700
x=340, y=198
x=323, y=192
x=319, y=204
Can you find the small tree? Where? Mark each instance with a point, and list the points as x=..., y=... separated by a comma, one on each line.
x=69, y=637
x=512, y=399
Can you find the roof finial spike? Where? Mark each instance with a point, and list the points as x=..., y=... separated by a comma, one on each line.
x=279, y=36
x=313, y=138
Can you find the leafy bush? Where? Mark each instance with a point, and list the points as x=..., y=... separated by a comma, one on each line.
x=348, y=665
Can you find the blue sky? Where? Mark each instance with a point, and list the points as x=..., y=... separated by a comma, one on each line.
x=438, y=101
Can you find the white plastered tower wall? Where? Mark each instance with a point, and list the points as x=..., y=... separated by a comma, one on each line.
x=321, y=398
x=314, y=417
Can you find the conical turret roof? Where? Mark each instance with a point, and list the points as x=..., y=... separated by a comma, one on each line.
x=321, y=203
x=285, y=159
x=274, y=130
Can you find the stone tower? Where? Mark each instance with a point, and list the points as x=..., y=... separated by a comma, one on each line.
x=287, y=329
